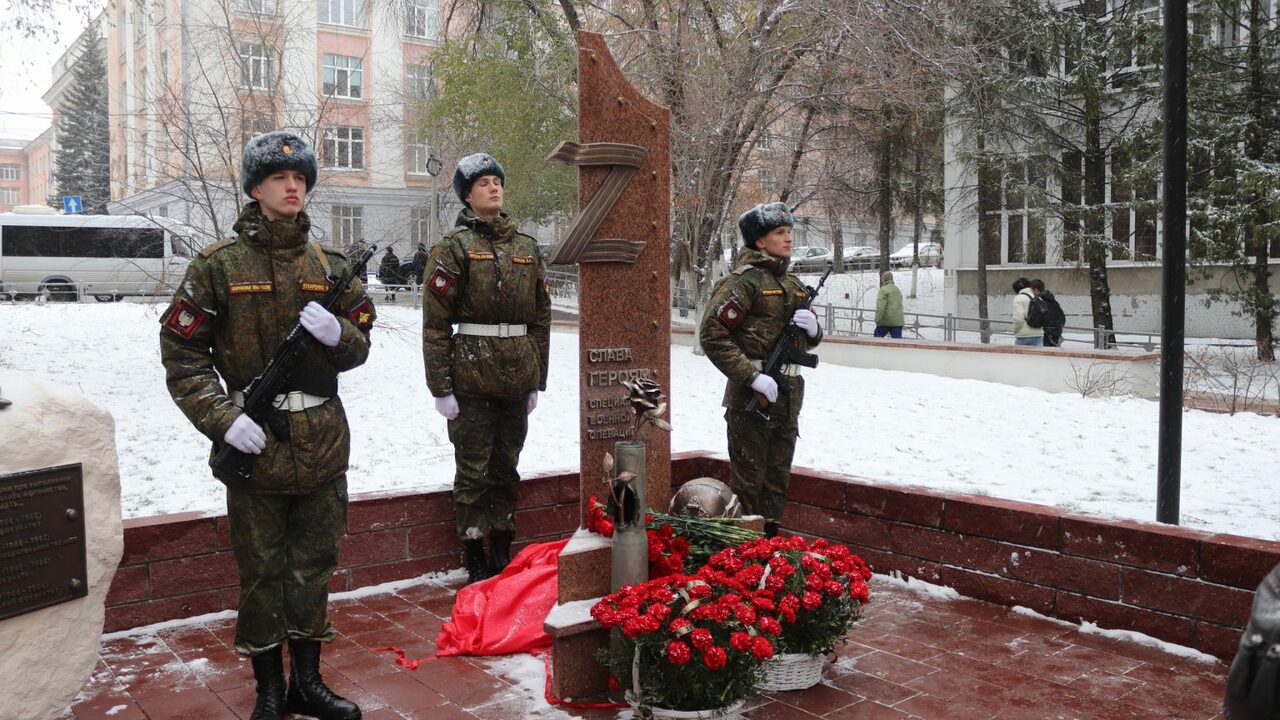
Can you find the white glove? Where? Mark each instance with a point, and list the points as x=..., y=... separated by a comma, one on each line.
x=321, y=324
x=245, y=436
x=447, y=406
x=766, y=386
x=531, y=402
x=806, y=321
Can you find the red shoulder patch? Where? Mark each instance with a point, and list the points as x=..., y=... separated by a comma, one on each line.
x=184, y=319
x=730, y=314
x=440, y=281
x=362, y=314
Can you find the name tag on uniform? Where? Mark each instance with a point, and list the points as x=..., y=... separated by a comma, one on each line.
x=315, y=286
x=479, y=255
x=522, y=260
x=249, y=287
x=801, y=293
x=771, y=291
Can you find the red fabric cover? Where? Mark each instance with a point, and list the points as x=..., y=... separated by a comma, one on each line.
x=504, y=614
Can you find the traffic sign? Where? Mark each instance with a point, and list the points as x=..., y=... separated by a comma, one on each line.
x=71, y=204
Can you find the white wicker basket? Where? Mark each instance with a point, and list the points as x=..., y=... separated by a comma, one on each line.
x=792, y=671
x=732, y=712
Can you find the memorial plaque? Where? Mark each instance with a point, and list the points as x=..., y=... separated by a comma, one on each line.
x=42, y=547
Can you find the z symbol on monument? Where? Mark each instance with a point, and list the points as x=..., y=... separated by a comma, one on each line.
x=579, y=245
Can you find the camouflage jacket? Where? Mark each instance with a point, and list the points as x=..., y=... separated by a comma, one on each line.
x=488, y=273
x=749, y=308
x=237, y=303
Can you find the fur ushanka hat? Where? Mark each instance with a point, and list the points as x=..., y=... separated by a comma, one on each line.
x=275, y=151
x=763, y=219
x=470, y=169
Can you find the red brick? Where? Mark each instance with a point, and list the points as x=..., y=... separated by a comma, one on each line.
x=949, y=548
x=570, y=489
x=370, y=548
x=1218, y=641
x=147, y=539
x=917, y=507
x=222, y=533
x=547, y=522
x=1015, y=522
x=123, y=617
x=809, y=489
x=1042, y=567
x=884, y=563
x=231, y=597
x=1117, y=616
x=1155, y=547
x=403, y=570
x=538, y=491
x=855, y=530
x=129, y=584
x=685, y=466
x=998, y=590
x=1191, y=598
x=186, y=575
x=432, y=539
x=1237, y=561
x=369, y=511
x=716, y=467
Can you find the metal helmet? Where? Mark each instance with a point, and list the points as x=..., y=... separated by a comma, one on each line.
x=705, y=497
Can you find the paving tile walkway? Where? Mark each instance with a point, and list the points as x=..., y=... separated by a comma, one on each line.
x=914, y=656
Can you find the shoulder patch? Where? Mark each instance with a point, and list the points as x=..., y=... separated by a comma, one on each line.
x=208, y=250
x=362, y=313
x=523, y=259
x=184, y=319
x=440, y=281
x=730, y=313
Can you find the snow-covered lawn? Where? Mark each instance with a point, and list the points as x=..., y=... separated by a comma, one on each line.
x=1090, y=455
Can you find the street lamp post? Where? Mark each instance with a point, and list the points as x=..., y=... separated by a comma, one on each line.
x=433, y=169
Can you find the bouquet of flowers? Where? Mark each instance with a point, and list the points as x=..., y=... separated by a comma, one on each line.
x=687, y=644
x=813, y=591
x=667, y=551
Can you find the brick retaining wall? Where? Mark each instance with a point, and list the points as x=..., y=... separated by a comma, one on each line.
x=1184, y=586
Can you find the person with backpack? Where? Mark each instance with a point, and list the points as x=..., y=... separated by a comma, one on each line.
x=1025, y=312
x=1054, y=318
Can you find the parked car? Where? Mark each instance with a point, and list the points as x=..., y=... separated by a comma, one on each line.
x=930, y=254
x=861, y=257
x=808, y=258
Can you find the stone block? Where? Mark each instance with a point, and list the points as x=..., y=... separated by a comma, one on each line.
x=964, y=551
x=1015, y=522
x=1189, y=598
x=371, y=548
x=916, y=506
x=1119, y=616
x=1154, y=547
x=575, y=673
x=584, y=568
x=183, y=576
x=998, y=590
x=1237, y=561
x=1044, y=567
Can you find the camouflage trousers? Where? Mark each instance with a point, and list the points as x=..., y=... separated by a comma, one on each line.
x=487, y=438
x=760, y=455
x=286, y=547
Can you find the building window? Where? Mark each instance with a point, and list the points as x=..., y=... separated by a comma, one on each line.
x=9, y=196
x=1023, y=210
x=344, y=148
x=423, y=19
x=343, y=76
x=417, y=80
x=419, y=227
x=419, y=151
x=342, y=12
x=255, y=124
x=348, y=224
x=261, y=7
x=255, y=66
x=10, y=171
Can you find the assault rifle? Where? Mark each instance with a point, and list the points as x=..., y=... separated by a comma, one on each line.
x=787, y=352
x=229, y=464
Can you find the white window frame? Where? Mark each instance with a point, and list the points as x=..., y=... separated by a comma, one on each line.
x=344, y=147
x=341, y=12
x=255, y=66
x=417, y=153
x=419, y=226
x=257, y=7
x=348, y=224
x=343, y=76
x=422, y=19
x=10, y=196
x=10, y=171
x=417, y=82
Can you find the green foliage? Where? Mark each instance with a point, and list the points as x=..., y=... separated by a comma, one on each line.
x=82, y=165
x=508, y=92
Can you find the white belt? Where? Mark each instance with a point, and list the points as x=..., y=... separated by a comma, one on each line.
x=295, y=401
x=500, y=330
x=787, y=369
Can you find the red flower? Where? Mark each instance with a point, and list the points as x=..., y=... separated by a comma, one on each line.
x=761, y=648
x=678, y=653
x=679, y=624
x=811, y=600
x=613, y=684
x=701, y=638
x=715, y=658
x=833, y=588
x=740, y=641
x=769, y=625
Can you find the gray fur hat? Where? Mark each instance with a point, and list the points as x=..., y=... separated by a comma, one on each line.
x=470, y=169
x=763, y=219
x=275, y=151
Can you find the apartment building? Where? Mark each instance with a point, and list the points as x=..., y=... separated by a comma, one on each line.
x=191, y=80
x=13, y=174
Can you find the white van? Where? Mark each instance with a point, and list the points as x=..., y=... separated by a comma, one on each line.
x=108, y=257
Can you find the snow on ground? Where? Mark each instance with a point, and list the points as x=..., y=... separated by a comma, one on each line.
x=1088, y=455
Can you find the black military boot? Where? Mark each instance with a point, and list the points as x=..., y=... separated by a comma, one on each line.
x=500, y=545
x=307, y=692
x=771, y=528
x=477, y=565
x=268, y=670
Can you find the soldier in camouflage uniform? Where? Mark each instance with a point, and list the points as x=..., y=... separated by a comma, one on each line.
x=749, y=309
x=486, y=334
x=240, y=299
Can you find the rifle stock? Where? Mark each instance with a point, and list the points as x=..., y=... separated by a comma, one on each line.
x=229, y=464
